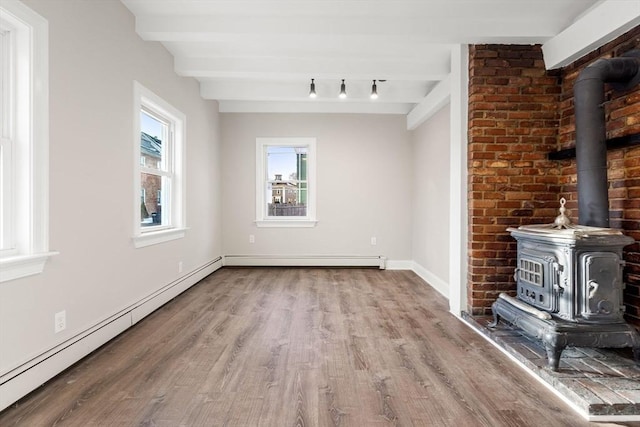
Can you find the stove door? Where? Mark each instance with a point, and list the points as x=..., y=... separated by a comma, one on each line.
x=536, y=276
x=600, y=287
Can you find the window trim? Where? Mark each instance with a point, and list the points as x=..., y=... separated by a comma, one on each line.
x=7, y=137
x=262, y=220
x=30, y=192
x=145, y=99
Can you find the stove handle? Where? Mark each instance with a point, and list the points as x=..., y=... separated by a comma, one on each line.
x=593, y=288
x=556, y=282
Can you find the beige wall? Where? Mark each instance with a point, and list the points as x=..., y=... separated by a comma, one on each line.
x=363, y=185
x=430, y=226
x=95, y=56
x=374, y=179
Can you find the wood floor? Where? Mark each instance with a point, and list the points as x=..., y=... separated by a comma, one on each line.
x=297, y=347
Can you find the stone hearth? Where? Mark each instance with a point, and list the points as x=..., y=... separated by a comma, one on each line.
x=601, y=384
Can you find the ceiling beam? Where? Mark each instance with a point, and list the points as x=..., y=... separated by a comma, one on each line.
x=601, y=24
x=351, y=8
x=430, y=104
x=438, y=29
x=303, y=68
x=313, y=107
x=311, y=46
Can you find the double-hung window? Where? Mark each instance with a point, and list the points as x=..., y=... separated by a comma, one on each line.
x=24, y=141
x=159, y=143
x=285, y=184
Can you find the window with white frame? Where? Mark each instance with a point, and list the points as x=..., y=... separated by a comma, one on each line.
x=159, y=143
x=285, y=182
x=24, y=143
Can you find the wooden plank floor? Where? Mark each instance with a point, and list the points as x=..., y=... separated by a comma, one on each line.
x=297, y=347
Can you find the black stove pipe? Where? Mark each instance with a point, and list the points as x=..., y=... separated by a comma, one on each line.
x=591, y=147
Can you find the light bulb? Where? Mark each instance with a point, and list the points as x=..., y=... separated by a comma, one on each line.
x=343, y=90
x=312, y=89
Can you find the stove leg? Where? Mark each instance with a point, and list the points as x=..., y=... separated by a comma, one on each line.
x=553, y=356
x=636, y=355
x=496, y=317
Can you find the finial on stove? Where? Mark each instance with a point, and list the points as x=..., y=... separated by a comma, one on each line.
x=562, y=220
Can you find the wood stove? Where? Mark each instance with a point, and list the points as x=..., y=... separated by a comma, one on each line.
x=574, y=273
x=569, y=280
x=569, y=288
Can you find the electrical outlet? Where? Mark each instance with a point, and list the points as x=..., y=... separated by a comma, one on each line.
x=180, y=266
x=252, y=238
x=374, y=241
x=60, y=321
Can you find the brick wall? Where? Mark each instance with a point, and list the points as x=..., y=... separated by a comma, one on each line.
x=622, y=114
x=518, y=113
x=513, y=124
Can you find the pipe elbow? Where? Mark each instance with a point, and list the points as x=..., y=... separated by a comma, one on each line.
x=624, y=69
x=594, y=71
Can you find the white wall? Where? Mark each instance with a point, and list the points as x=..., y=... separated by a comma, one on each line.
x=95, y=56
x=430, y=220
x=363, y=184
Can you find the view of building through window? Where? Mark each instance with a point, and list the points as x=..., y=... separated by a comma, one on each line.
x=158, y=183
x=153, y=161
x=287, y=185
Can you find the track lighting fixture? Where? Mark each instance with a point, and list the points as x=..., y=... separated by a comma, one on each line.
x=343, y=90
x=312, y=89
x=374, y=91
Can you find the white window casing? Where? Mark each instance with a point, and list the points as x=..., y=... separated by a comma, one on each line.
x=24, y=150
x=262, y=180
x=170, y=169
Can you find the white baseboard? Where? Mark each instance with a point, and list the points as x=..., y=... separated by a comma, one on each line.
x=434, y=281
x=156, y=300
x=338, y=261
x=25, y=378
x=394, y=264
x=305, y=261
x=34, y=373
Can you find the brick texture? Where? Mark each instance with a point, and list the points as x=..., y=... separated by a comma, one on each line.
x=518, y=113
x=513, y=124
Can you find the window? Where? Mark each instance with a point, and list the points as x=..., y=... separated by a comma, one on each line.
x=285, y=192
x=24, y=144
x=159, y=142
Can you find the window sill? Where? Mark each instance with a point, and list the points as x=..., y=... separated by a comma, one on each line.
x=18, y=266
x=155, y=237
x=287, y=223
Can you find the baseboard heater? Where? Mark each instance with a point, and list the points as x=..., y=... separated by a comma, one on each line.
x=22, y=379
x=305, y=261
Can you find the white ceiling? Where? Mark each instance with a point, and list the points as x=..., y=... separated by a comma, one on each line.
x=260, y=55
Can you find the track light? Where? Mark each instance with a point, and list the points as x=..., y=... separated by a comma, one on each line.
x=343, y=90
x=374, y=91
x=312, y=89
